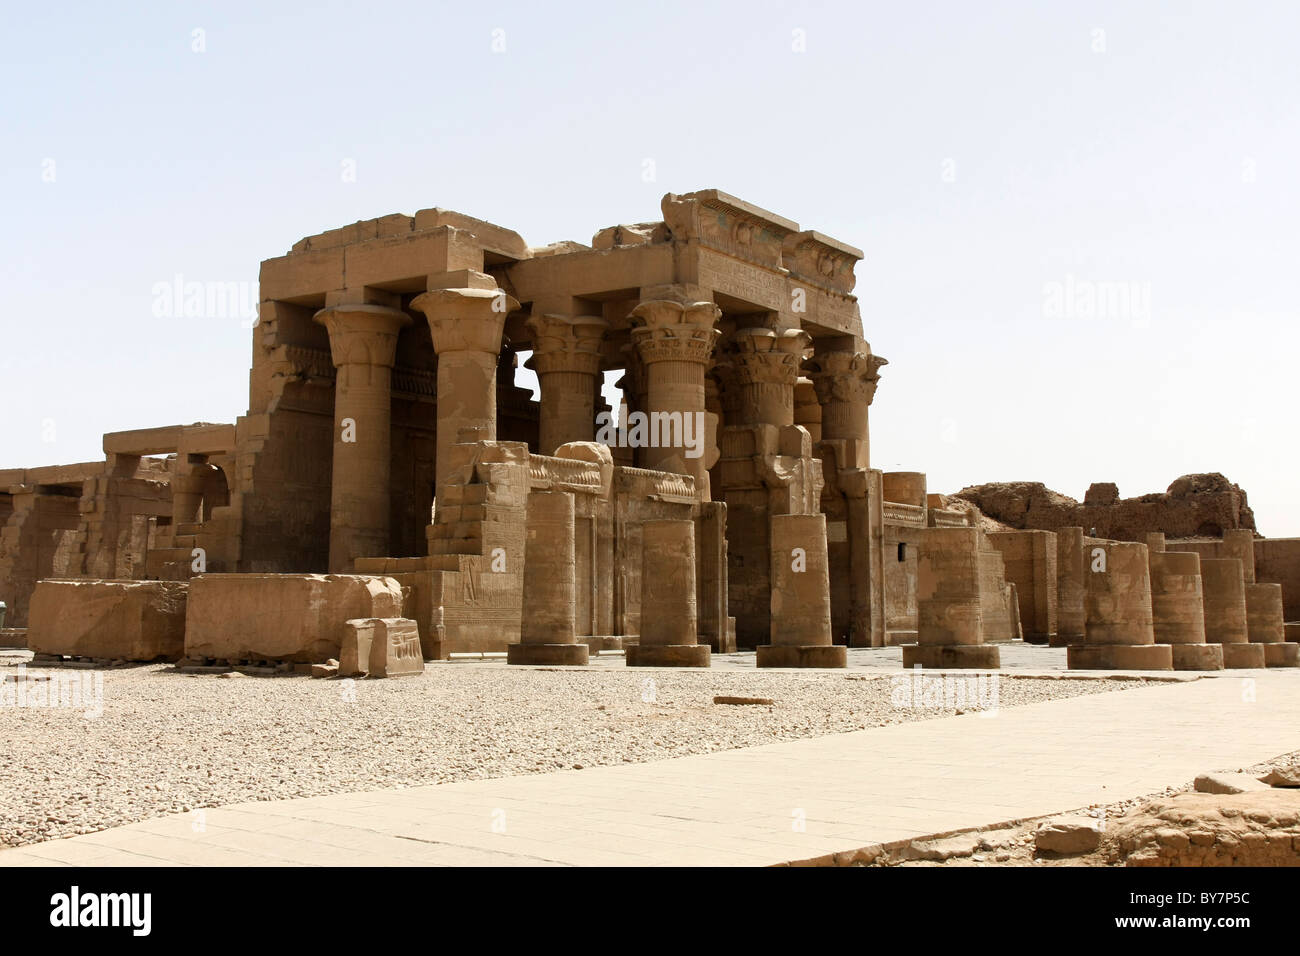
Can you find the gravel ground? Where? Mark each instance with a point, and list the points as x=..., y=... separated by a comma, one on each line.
x=168, y=742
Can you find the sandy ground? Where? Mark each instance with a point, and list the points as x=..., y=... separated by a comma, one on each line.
x=167, y=742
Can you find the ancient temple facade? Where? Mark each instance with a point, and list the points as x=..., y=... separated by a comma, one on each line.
x=386, y=434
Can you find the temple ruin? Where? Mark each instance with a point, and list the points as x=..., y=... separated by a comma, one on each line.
x=391, y=483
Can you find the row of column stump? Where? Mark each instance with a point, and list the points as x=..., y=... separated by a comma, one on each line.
x=1120, y=605
x=1145, y=608
x=801, y=609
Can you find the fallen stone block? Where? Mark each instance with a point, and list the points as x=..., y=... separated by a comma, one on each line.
x=282, y=617
x=1227, y=783
x=946, y=848
x=1282, y=776
x=381, y=647
x=108, y=620
x=329, y=669
x=1069, y=835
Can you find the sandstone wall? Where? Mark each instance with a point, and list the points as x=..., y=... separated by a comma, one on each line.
x=1194, y=505
x=1277, y=561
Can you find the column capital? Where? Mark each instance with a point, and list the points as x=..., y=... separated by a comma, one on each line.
x=564, y=343
x=762, y=356
x=668, y=331
x=466, y=320
x=362, y=334
x=845, y=376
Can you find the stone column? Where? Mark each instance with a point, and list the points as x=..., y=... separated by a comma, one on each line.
x=1070, y=587
x=1240, y=544
x=950, y=627
x=1265, y=625
x=801, y=597
x=1118, y=633
x=807, y=410
x=187, y=496
x=363, y=345
x=1224, y=589
x=566, y=357
x=846, y=385
x=550, y=595
x=675, y=342
x=765, y=366
x=466, y=325
x=844, y=382
x=669, y=625
x=1178, y=609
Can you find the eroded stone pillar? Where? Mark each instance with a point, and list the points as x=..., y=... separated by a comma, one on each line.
x=1265, y=625
x=801, y=598
x=1224, y=590
x=566, y=357
x=1240, y=544
x=950, y=626
x=669, y=625
x=548, y=634
x=466, y=325
x=1071, y=587
x=1178, y=609
x=1155, y=541
x=363, y=346
x=1118, y=633
x=807, y=410
x=675, y=342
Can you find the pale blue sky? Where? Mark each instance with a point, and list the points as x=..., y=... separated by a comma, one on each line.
x=978, y=153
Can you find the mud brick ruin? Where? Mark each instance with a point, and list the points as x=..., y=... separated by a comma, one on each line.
x=392, y=487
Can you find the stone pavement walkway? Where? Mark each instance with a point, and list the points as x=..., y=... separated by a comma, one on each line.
x=789, y=802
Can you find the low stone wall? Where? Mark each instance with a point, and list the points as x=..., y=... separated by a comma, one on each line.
x=281, y=617
x=1260, y=828
x=114, y=620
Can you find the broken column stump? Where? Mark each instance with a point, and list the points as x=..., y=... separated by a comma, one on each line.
x=669, y=636
x=548, y=631
x=950, y=628
x=1265, y=625
x=1224, y=589
x=801, y=601
x=1119, y=634
x=1178, y=609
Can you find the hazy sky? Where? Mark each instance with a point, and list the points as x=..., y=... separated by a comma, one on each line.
x=1003, y=165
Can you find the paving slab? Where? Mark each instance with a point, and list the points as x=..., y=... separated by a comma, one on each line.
x=790, y=802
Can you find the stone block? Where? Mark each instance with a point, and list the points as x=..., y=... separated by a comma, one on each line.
x=575, y=654
x=1127, y=657
x=1282, y=654
x=118, y=620
x=282, y=617
x=667, y=655
x=1243, y=656
x=1198, y=657
x=952, y=656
